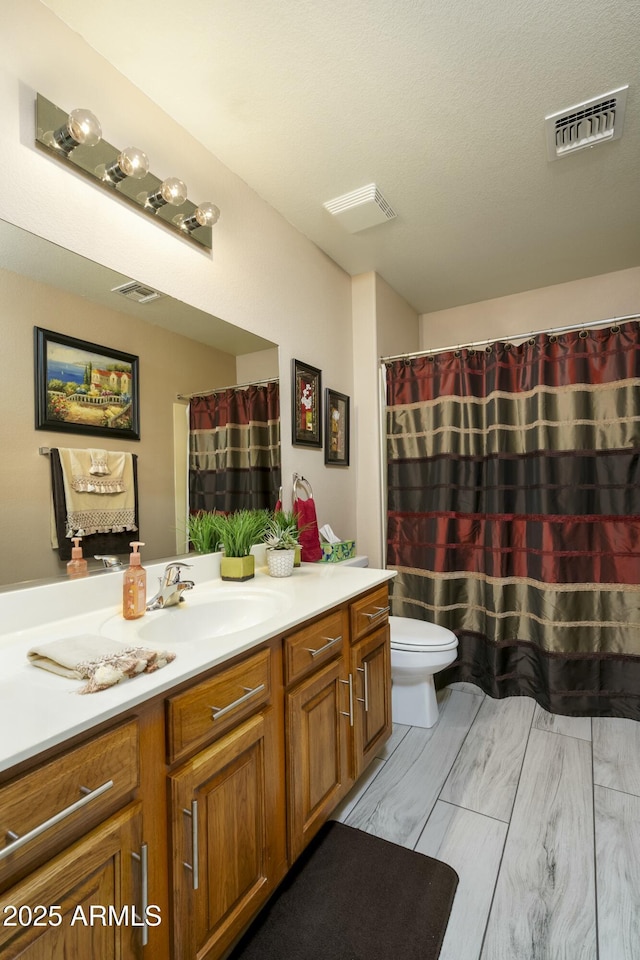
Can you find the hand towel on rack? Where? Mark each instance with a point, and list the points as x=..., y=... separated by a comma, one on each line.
x=305, y=511
x=92, y=513
x=99, y=462
x=89, y=474
x=112, y=543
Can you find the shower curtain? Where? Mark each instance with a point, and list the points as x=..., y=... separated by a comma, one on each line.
x=234, y=449
x=514, y=513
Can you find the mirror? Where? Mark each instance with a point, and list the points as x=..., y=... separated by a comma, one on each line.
x=181, y=351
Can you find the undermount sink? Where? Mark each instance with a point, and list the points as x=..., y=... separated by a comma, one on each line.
x=223, y=612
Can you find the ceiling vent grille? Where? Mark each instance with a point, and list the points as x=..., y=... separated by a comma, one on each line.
x=598, y=120
x=137, y=292
x=361, y=209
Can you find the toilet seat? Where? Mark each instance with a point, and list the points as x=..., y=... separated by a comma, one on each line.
x=420, y=636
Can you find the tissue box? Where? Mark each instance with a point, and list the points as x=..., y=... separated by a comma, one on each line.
x=334, y=552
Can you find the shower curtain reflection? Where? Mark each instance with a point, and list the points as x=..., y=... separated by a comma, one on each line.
x=514, y=514
x=234, y=449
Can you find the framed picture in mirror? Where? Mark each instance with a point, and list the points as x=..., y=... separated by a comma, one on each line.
x=306, y=405
x=336, y=429
x=83, y=387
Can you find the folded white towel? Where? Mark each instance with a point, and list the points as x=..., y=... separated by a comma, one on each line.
x=101, y=661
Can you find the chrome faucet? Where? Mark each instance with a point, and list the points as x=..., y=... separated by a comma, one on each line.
x=171, y=587
x=111, y=563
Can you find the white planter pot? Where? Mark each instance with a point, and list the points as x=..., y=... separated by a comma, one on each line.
x=280, y=562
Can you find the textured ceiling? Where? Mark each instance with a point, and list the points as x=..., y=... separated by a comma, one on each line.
x=442, y=105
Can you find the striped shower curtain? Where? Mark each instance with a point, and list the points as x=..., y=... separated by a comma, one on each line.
x=234, y=449
x=514, y=513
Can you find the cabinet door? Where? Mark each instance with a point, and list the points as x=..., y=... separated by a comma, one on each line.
x=228, y=837
x=371, y=670
x=317, y=762
x=84, y=903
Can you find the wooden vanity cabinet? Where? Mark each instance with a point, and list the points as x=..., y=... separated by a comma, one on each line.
x=228, y=848
x=61, y=910
x=338, y=715
x=198, y=801
x=317, y=751
x=371, y=673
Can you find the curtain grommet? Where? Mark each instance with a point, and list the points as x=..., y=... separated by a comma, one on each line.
x=431, y=358
x=615, y=328
x=583, y=334
x=552, y=338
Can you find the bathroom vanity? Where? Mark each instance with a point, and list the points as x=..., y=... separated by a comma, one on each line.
x=156, y=817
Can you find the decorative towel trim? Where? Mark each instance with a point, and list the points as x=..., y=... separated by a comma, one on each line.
x=110, y=669
x=82, y=523
x=93, y=485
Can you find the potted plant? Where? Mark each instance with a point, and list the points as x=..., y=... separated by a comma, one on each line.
x=237, y=533
x=281, y=541
x=285, y=519
x=202, y=528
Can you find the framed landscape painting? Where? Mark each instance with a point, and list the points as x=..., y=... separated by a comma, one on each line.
x=306, y=404
x=336, y=431
x=83, y=387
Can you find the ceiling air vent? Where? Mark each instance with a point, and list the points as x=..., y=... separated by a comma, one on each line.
x=595, y=121
x=137, y=292
x=360, y=209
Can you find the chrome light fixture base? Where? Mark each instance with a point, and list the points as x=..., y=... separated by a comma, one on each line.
x=96, y=160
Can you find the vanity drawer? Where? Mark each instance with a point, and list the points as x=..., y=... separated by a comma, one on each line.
x=369, y=612
x=309, y=648
x=59, y=801
x=212, y=706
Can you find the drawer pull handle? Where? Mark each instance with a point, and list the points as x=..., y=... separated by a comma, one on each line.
x=349, y=682
x=195, y=866
x=143, y=860
x=365, y=670
x=220, y=711
x=16, y=841
x=378, y=611
x=332, y=641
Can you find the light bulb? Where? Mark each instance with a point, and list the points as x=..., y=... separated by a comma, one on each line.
x=131, y=162
x=205, y=215
x=172, y=191
x=82, y=128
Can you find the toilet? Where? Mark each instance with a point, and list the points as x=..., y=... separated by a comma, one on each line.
x=419, y=649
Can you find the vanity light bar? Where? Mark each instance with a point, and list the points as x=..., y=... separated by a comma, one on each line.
x=76, y=138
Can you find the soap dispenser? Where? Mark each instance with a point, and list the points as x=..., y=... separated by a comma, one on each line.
x=77, y=566
x=134, y=594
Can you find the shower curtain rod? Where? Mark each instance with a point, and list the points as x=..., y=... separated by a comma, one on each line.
x=232, y=386
x=517, y=336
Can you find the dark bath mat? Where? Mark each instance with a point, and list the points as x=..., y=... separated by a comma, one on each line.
x=353, y=896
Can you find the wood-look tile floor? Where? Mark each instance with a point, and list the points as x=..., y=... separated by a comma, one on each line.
x=538, y=814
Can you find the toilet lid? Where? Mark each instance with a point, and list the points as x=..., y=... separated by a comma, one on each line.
x=420, y=635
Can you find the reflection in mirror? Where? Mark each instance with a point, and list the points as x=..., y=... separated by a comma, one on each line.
x=181, y=350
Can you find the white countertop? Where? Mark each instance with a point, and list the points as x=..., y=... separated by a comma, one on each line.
x=39, y=710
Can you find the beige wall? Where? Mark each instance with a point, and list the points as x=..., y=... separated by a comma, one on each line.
x=262, y=274
x=564, y=304
x=169, y=364
x=383, y=323
x=260, y=365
